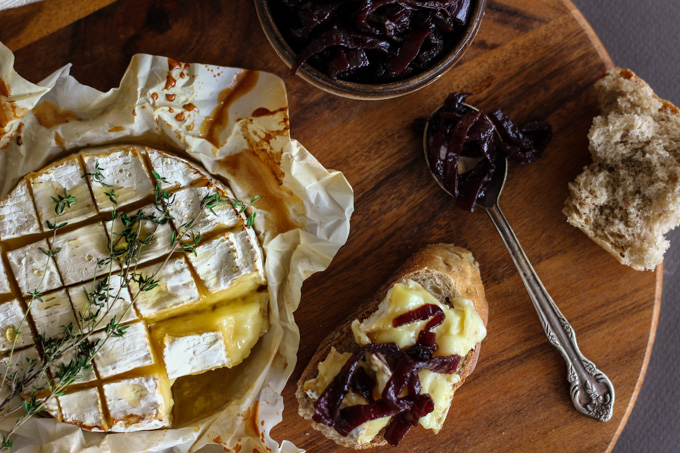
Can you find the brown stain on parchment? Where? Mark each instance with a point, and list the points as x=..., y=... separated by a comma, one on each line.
x=50, y=115
x=116, y=129
x=214, y=124
x=170, y=80
x=257, y=170
x=250, y=417
x=59, y=140
x=8, y=109
x=264, y=179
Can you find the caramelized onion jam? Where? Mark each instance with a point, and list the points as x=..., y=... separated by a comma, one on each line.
x=370, y=41
x=459, y=137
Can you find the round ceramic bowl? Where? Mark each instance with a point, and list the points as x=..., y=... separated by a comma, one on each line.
x=368, y=91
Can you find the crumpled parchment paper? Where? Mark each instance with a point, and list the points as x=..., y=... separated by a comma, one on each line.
x=209, y=114
x=7, y=4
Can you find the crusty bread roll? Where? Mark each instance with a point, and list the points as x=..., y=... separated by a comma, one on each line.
x=446, y=272
x=629, y=197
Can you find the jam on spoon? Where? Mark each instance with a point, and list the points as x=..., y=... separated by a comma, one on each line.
x=461, y=143
x=592, y=393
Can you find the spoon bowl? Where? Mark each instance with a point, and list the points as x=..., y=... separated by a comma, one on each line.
x=591, y=390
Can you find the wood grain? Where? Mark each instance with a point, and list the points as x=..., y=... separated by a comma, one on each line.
x=534, y=59
x=22, y=26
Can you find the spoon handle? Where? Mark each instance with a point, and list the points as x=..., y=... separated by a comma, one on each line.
x=591, y=390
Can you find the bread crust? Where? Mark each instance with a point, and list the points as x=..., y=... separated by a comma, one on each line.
x=444, y=270
x=626, y=199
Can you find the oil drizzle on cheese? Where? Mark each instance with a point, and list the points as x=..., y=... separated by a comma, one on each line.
x=214, y=124
x=50, y=115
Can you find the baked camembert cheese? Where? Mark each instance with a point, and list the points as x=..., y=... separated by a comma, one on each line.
x=207, y=309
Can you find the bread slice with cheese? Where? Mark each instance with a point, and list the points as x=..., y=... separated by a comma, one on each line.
x=450, y=275
x=627, y=199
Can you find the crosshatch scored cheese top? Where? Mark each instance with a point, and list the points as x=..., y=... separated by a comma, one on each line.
x=207, y=311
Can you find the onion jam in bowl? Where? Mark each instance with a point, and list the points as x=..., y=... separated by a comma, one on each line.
x=370, y=49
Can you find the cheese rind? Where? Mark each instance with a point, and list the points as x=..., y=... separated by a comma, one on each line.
x=187, y=205
x=28, y=265
x=24, y=362
x=80, y=251
x=17, y=214
x=139, y=404
x=85, y=375
x=84, y=409
x=176, y=172
x=11, y=314
x=5, y=285
x=52, y=407
x=121, y=354
x=57, y=179
x=52, y=313
x=193, y=354
x=124, y=171
x=176, y=290
x=223, y=260
x=162, y=234
x=117, y=301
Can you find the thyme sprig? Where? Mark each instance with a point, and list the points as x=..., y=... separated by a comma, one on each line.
x=61, y=203
x=76, y=344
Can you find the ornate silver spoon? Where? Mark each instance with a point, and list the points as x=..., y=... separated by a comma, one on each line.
x=591, y=390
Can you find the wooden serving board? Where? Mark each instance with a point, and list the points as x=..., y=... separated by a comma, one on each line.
x=536, y=59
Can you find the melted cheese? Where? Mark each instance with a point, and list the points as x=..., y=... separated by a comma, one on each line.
x=328, y=369
x=221, y=263
x=461, y=330
x=238, y=324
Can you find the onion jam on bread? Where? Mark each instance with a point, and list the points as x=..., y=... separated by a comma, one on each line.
x=398, y=363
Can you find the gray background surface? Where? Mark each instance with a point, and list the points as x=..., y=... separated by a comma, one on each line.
x=643, y=35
